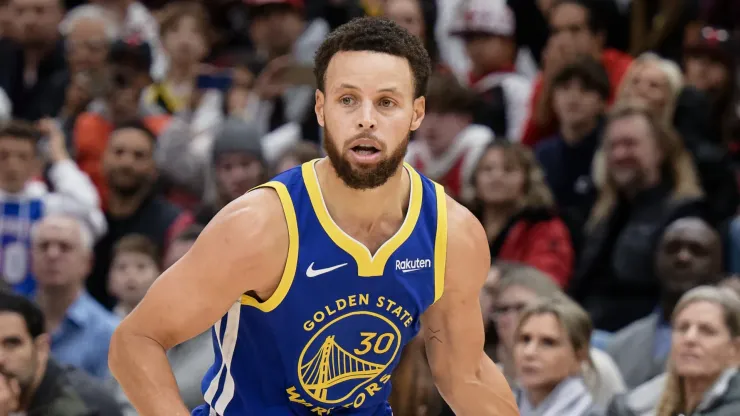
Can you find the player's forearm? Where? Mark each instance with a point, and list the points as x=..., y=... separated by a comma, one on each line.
x=141, y=367
x=484, y=393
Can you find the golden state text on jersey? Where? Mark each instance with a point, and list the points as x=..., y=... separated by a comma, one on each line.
x=328, y=339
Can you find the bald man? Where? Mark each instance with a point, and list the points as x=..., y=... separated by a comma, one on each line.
x=689, y=255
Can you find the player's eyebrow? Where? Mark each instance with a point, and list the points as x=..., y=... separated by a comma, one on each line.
x=345, y=86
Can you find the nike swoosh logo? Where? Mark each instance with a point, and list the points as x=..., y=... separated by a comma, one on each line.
x=311, y=272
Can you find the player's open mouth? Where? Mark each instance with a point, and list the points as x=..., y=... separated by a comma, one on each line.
x=365, y=150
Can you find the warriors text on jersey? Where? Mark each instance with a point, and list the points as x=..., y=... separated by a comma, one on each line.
x=327, y=340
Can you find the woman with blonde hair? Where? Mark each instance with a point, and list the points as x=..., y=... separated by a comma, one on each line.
x=654, y=81
x=645, y=180
x=518, y=212
x=551, y=345
x=703, y=377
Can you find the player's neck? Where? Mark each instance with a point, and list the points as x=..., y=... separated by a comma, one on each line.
x=363, y=207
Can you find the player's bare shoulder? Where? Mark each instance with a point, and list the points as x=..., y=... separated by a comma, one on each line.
x=467, y=244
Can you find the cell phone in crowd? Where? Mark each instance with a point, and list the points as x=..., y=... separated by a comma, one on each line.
x=298, y=75
x=221, y=81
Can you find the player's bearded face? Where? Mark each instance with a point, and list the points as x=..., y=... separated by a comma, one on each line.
x=365, y=176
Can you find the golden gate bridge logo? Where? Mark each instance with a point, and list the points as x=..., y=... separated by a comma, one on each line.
x=332, y=374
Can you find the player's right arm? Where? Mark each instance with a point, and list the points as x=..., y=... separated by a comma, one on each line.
x=243, y=248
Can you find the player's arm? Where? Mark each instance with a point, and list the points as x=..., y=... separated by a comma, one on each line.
x=243, y=248
x=453, y=327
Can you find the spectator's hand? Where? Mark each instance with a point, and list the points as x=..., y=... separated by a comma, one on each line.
x=268, y=84
x=557, y=54
x=57, y=144
x=77, y=96
x=10, y=393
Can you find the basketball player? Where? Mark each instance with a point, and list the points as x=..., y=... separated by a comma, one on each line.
x=317, y=279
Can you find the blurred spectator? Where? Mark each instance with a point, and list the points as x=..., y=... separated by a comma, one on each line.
x=88, y=32
x=23, y=200
x=448, y=144
x=134, y=206
x=646, y=179
x=45, y=387
x=134, y=268
x=575, y=30
x=419, y=17
x=654, y=81
x=689, y=255
x=551, y=347
x=661, y=27
x=488, y=30
x=303, y=152
x=518, y=212
x=703, y=377
x=80, y=327
x=34, y=72
x=413, y=391
x=282, y=36
x=520, y=287
x=238, y=165
x=710, y=66
x=180, y=245
x=186, y=36
x=137, y=22
x=130, y=61
x=580, y=92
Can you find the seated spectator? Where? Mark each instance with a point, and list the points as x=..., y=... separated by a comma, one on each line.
x=655, y=82
x=488, y=29
x=551, y=347
x=80, y=328
x=237, y=161
x=520, y=287
x=23, y=200
x=518, y=212
x=130, y=62
x=44, y=387
x=646, y=180
x=448, y=144
x=689, y=255
x=299, y=154
x=419, y=17
x=576, y=29
x=580, y=92
x=703, y=377
x=135, y=267
x=134, y=207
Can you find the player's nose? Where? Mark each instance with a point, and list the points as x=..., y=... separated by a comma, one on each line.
x=367, y=116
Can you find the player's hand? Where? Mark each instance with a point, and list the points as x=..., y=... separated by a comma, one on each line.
x=10, y=393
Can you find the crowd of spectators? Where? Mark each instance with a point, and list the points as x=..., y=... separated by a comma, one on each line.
x=598, y=142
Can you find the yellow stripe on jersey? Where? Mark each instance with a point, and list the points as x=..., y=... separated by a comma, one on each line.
x=367, y=265
x=440, y=243
x=292, y=261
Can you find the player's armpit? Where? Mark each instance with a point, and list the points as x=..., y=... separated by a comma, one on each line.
x=242, y=249
x=453, y=327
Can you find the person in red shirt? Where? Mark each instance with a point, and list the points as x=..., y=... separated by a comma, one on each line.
x=575, y=30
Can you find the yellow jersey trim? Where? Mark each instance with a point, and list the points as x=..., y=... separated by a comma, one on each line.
x=440, y=243
x=367, y=265
x=286, y=281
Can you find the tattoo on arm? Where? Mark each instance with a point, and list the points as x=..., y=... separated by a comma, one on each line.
x=433, y=335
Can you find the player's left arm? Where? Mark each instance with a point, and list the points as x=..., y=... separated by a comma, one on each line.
x=453, y=327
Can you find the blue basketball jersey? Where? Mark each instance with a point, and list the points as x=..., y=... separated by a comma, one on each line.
x=328, y=339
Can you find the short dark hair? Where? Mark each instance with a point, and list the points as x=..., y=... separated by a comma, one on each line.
x=594, y=19
x=375, y=34
x=173, y=13
x=20, y=130
x=590, y=73
x=139, y=244
x=445, y=94
x=136, y=125
x=191, y=233
x=32, y=314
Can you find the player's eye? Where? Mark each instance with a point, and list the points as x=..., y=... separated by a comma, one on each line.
x=347, y=100
x=386, y=103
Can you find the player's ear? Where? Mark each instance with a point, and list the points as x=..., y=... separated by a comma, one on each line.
x=319, y=108
x=419, y=111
